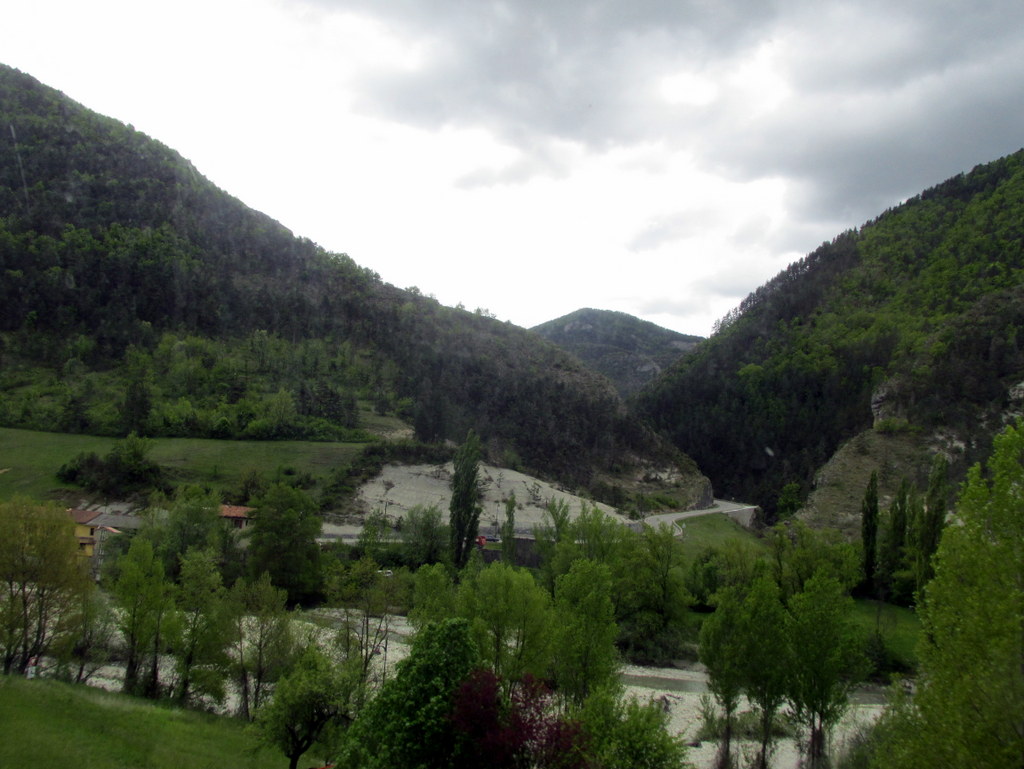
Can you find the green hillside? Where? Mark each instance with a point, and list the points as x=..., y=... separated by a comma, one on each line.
x=138, y=296
x=629, y=351
x=47, y=723
x=914, y=322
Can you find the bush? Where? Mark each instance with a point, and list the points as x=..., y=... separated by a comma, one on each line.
x=127, y=469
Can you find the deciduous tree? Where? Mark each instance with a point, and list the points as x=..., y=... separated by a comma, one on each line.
x=145, y=601
x=510, y=618
x=42, y=581
x=202, y=633
x=968, y=709
x=409, y=723
x=309, y=703
x=261, y=639
x=283, y=542
x=585, y=657
x=828, y=658
x=721, y=651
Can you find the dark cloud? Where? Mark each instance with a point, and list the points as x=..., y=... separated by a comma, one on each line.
x=584, y=71
x=878, y=99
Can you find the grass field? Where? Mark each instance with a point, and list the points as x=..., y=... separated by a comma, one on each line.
x=29, y=460
x=900, y=628
x=51, y=724
x=715, y=530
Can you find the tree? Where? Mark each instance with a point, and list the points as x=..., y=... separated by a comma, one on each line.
x=521, y=729
x=87, y=646
x=869, y=530
x=193, y=521
x=721, y=651
x=828, y=658
x=508, y=531
x=43, y=584
x=315, y=698
x=464, y=521
x=409, y=723
x=423, y=536
x=511, y=618
x=202, y=632
x=891, y=554
x=799, y=552
x=624, y=733
x=585, y=657
x=967, y=710
x=766, y=657
x=145, y=602
x=138, y=402
x=929, y=524
x=433, y=595
x=283, y=542
x=261, y=639
x=651, y=598
x=367, y=595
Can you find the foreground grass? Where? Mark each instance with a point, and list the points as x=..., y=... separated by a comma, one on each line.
x=48, y=723
x=29, y=460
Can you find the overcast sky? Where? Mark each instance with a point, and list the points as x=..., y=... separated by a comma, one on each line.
x=658, y=157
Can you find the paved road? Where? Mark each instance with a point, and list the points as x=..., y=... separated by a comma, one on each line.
x=738, y=511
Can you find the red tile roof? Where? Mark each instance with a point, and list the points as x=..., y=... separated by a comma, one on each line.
x=82, y=517
x=235, y=511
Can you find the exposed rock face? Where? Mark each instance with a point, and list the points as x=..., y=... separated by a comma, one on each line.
x=886, y=402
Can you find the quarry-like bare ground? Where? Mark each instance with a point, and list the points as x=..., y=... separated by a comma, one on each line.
x=399, y=488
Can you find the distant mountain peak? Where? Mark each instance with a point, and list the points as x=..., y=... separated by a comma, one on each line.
x=628, y=350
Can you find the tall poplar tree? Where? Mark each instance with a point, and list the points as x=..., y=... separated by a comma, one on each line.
x=869, y=529
x=465, y=505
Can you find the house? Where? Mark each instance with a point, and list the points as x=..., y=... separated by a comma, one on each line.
x=237, y=515
x=85, y=530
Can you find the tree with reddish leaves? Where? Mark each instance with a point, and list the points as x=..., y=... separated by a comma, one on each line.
x=522, y=730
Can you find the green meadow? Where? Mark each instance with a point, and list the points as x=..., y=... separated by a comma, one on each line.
x=50, y=724
x=29, y=460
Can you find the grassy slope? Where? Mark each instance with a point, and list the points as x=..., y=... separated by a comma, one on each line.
x=29, y=460
x=900, y=628
x=715, y=531
x=47, y=723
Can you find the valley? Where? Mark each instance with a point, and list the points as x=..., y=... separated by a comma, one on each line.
x=169, y=351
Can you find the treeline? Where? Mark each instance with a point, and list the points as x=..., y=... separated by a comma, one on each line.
x=530, y=661
x=127, y=275
x=517, y=666
x=922, y=304
x=257, y=388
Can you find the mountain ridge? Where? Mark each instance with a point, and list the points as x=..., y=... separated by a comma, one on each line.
x=138, y=295
x=912, y=323
x=630, y=351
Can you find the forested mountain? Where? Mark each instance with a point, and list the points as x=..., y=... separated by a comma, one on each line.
x=912, y=324
x=135, y=295
x=629, y=351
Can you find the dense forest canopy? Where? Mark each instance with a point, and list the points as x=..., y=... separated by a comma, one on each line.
x=137, y=295
x=914, y=321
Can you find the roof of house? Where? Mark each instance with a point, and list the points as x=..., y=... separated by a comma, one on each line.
x=235, y=511
x=82, y=517
x=119, y=521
